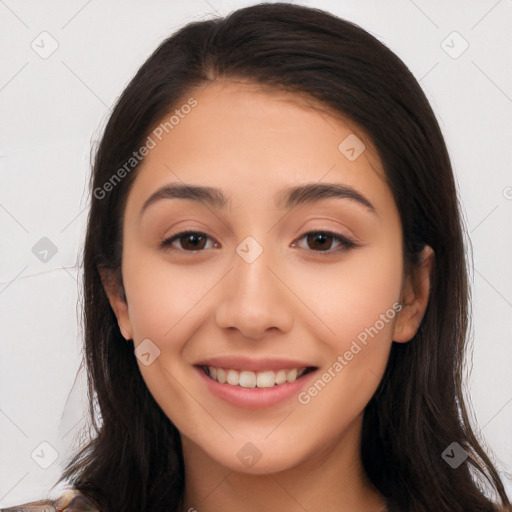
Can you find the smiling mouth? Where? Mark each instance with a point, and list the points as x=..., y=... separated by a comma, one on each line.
x=250, y=379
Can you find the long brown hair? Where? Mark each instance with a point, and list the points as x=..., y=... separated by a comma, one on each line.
x=134, y=461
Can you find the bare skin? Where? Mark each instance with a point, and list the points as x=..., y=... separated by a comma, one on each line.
x=301, y=298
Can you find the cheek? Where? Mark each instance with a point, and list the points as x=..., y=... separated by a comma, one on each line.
x=165, y=307
x=163, y=299
x=360, y=306
x=352, y=296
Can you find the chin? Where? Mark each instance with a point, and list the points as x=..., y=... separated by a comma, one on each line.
x=254, y=459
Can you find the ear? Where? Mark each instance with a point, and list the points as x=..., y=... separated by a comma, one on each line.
x=414, y=298
x=117, y=298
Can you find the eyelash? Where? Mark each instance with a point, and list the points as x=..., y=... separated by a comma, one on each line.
x=347, y=243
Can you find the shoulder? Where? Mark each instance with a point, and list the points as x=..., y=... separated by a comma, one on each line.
x=69, y=501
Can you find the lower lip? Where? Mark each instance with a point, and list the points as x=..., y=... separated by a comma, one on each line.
x=254, y=398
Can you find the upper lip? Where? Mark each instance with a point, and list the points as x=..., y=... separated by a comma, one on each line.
x=256, y=365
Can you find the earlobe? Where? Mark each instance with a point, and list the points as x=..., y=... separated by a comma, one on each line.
x=115, y=293
x=415, y=296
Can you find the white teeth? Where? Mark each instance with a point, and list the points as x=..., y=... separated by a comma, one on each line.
x=232, y=377
x=266, y=379
x=291, y=376
x=281, y=377
x=221, y=374
x=249, y=379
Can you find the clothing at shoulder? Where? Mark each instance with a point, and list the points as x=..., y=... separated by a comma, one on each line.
x=69, y=501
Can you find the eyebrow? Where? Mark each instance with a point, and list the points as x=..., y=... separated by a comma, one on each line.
x=286, y=199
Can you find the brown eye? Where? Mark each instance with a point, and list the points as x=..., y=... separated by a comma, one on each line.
x=188, y=240
x=321, y=241
x=192, y=241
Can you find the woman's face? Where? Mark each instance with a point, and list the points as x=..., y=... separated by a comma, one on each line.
x=265, y=287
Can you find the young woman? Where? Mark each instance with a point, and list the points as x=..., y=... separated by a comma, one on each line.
x=276, y=295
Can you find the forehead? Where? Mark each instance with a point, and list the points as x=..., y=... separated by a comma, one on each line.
x=245, y=137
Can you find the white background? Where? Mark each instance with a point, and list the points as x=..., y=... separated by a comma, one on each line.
x=53, y=109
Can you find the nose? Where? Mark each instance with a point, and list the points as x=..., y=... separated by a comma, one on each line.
x=255, y=298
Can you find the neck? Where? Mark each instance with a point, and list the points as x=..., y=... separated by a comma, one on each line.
x=332, y=479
